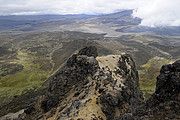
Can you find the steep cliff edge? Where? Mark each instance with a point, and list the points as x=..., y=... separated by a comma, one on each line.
x=90, y=88
x=164, y=104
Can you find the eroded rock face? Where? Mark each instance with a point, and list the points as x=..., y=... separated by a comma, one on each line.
x=79, y=67
x=164, y=104
x=90, y=88
x=168, y=82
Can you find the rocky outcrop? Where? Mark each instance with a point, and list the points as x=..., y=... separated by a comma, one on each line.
x=105, y=88
x=167, y=86
x=164, y=104
x=90, y=88
x=89, y=51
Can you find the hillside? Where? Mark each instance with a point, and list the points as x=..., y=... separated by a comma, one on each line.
x=34, y=48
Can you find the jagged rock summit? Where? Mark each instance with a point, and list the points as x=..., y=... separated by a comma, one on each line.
x=90, y=88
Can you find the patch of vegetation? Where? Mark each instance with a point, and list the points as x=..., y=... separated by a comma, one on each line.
x=173, y=50
x=31, y=77
x=4, y=51
x=148, y=74
x=7, y=69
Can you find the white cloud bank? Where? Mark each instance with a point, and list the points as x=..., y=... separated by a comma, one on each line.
x=160, y=13
x=153, y=12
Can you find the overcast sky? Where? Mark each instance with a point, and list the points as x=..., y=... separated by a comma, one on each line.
x=153, y=12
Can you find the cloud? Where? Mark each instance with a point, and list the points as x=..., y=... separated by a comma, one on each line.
x=159, y=13
x=153, y=12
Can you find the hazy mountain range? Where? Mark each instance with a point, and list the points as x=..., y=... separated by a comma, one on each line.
x=122, y=22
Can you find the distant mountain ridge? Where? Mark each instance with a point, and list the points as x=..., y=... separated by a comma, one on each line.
x=17, y=22
x=120, y=22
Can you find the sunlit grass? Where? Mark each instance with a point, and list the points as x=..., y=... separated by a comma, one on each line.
x=31, y=77
x=148, y=75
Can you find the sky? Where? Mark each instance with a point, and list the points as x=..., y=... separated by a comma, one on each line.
x=152, y=12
